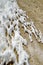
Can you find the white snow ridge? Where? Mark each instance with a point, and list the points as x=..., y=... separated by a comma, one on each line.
x=11, y=41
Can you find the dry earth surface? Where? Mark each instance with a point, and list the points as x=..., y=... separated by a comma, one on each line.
x=34, y=9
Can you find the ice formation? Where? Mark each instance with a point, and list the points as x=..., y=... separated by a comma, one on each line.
x=11, y=41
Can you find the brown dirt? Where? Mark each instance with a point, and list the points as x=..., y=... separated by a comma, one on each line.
x=34, y=9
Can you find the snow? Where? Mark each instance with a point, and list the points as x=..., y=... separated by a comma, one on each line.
x=12, y=13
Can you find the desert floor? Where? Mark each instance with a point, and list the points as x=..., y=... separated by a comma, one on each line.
x=34, y=9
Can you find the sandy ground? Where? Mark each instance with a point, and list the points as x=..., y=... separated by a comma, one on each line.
x=34, y=9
